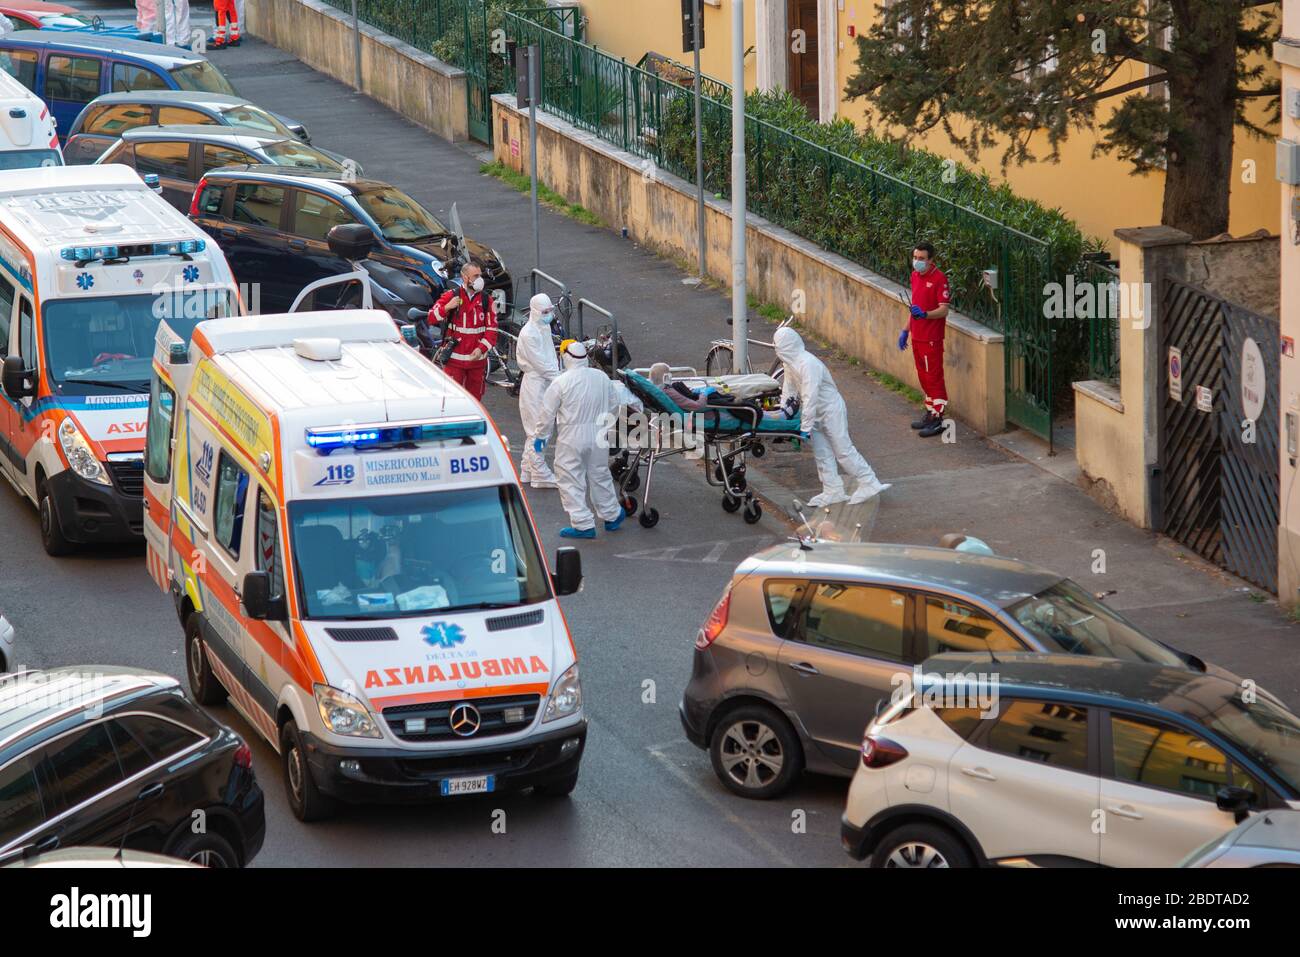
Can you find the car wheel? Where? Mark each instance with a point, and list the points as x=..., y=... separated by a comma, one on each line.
x=755, y=752
x=305, y=799
x=921, y=845
x=204, y=685
x=51, y=531
x=206, y=850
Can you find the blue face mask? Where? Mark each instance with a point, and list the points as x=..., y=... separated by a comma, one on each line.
x=920, y=265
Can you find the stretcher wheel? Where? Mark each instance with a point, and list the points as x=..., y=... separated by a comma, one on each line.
x=629, y=505
x=649, y=518
x=753, y=512
x=757, y=450
x=730, y=503
x=738, y=481
x=717, y=472
x=632, y=482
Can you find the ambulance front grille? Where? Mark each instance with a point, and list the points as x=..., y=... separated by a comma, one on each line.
x=362, y=634
x=128, y=477
x=436, y=715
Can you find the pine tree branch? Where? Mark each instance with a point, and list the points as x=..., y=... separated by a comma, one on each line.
x=1123, y=88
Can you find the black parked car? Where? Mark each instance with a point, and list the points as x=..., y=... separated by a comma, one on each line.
x=110, y=757
x=181, y=155
x=272, y=224
x=107, y=117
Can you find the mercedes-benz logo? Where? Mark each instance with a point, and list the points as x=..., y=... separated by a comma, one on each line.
x=464, y=720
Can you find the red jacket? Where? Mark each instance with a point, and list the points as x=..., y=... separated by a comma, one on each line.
x=929, y=291
x=472, y=324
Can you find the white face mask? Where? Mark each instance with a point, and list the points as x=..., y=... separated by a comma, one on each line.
x=548, y=316
x=477, y=284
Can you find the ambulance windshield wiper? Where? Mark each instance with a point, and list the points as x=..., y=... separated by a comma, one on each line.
x=141, y=388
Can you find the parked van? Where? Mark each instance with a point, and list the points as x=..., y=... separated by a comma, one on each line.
x=27, y=134
x=68, y=70
x=350, y=552
x=91, y=259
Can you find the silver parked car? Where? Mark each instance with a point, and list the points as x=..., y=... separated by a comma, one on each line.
x=1267, y=839
x=808, y=640
x=6, y=644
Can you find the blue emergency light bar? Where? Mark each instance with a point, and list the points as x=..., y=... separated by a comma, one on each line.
x=383, y=434
x=181, y=247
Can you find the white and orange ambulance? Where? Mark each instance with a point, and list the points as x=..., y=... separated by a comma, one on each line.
x=91, y=260
x=350, y=552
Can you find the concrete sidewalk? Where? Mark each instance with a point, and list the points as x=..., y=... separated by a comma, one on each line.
x=972, y=485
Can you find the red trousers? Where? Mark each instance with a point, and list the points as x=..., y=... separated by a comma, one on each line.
x=929, y=372
x=471, y=376
x=226, y=13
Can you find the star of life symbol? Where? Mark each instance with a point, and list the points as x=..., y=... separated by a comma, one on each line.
x=443, y=634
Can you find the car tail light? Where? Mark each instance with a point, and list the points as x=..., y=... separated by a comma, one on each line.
x=243, y=756
x=716, y=621
x=194, y=201
x=878, y=752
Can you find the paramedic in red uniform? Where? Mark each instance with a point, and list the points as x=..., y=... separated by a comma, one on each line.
x=468, y=316
x=930, y=297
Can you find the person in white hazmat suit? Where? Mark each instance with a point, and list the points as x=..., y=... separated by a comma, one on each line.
x=176, y=30
x=535, y=352
x=584, y=403
x=824, y=419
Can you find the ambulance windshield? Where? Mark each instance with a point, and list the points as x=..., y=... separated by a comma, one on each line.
x=103, y=344
x=402, y=555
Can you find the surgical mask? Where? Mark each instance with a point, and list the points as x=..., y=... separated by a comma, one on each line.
x=920, y=265
x=548, y=316
x=477, y=284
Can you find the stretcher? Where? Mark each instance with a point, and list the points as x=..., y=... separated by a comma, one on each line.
x=729, y=424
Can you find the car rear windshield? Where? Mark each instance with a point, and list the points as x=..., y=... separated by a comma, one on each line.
x=1065, y=618
x=201, y=77
x=27, y=159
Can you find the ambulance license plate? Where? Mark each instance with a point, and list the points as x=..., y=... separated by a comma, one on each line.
x=478, y=785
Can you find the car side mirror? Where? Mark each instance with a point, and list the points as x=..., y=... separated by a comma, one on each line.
x=14, y=378
x=258, y=601
x=350, y=241
x=567, y=577
x=1237, y=801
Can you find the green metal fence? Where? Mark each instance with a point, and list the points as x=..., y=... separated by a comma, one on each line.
x=1103, y=316
x=421, y=23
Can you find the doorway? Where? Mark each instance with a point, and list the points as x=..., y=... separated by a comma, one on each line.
x=804, y=75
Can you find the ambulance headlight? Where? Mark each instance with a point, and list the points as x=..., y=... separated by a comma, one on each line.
x=344, y=714
x=566, y=698
x=80, y=456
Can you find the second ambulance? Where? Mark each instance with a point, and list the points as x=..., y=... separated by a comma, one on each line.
x=352, y=558
x=91, y=261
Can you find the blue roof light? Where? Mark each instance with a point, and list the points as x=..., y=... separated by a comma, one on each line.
x=385, y=434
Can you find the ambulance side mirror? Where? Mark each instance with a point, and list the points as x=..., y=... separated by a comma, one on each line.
x=14, y=378
x=257, y=599
x=567, y=577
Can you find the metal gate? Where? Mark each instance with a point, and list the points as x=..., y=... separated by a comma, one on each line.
x=478, y=92
x=1219, y=431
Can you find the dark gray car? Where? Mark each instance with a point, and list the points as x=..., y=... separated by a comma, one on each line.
x=181, y=155
x=107, y=117
x=806, y=642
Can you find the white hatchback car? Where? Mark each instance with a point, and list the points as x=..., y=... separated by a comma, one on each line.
x=1040, y=760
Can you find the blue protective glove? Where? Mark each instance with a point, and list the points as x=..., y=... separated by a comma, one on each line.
x=805, y=436
x=918, y=312
x=538, y=445
x=902, y=341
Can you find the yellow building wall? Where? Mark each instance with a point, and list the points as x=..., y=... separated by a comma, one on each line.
x=1099, y=193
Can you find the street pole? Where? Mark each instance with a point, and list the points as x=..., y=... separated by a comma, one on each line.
x=534, y=82
x=356, y=46
x=739, y=299
x=699, y=138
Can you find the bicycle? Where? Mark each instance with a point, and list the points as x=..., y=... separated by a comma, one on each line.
x=721, y=357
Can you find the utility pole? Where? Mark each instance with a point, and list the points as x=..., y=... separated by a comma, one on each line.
x=739, y=298
x=697, y=44
x=534, y=91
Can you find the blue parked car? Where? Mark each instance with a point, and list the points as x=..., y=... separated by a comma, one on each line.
x=70, y=70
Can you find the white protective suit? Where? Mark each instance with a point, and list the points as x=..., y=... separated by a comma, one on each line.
x=178, y=22
x=535, y=353
x=146, y=15
x=584, y=401
x=822, y=414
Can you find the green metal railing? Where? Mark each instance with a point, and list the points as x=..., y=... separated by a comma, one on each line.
x=421, y=23
x=1103, y=318
x=674, y=72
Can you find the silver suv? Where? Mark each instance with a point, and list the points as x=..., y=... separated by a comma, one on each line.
x=808, y=640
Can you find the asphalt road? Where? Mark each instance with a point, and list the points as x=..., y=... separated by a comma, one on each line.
x=646, y=796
